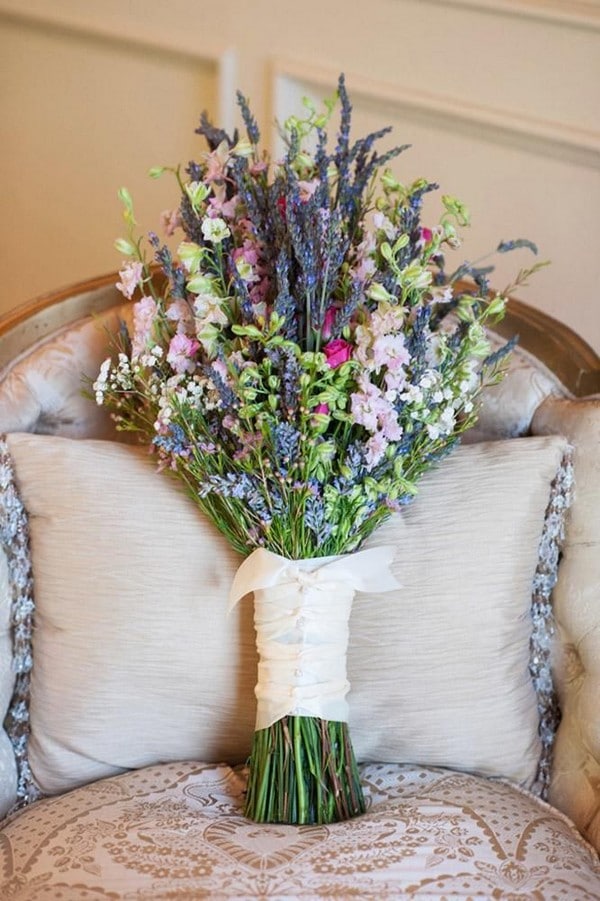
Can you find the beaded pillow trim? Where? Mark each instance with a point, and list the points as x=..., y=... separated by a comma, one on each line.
x=544, y=628
x=14, y=535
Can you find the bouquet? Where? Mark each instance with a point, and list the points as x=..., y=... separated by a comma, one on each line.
x=298, y=363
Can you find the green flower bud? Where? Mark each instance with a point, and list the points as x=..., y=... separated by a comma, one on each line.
x=378, y=292
x=243, y=148
x=497, y=306
x=191, y=255
x=390, y=182
x=456, y=208
x=125, y=198
x=126, y=247
x=201, y=284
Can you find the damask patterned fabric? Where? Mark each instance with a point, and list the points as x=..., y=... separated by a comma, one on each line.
x=176, y=832
x=42, y=391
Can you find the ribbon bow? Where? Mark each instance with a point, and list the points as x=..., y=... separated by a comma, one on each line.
x=367, y=570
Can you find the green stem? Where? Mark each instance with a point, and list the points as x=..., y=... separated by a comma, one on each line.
x=303, y=771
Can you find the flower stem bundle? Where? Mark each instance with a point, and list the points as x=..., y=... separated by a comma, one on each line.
x=303, y=771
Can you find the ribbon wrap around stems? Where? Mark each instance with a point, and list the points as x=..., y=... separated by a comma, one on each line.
x=301, y=614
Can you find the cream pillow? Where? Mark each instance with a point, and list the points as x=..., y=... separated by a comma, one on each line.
x=440, y=671
x=575, y=785
x=136, y=661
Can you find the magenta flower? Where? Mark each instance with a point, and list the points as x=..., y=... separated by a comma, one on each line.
x=328, y=322
x=337, y=352
x=181, y=351
x=322, y=408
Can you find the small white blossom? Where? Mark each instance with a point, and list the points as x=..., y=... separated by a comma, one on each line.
x=215, y=230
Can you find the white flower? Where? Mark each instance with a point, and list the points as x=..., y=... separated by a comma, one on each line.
x=382, y=223
x=208, y=309
x=412, y=395
x=245, y=270
x=215, y=230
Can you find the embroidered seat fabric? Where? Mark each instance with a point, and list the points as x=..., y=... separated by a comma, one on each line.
x=176, y=831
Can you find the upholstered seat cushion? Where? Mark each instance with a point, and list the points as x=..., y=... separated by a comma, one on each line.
x=176, y=831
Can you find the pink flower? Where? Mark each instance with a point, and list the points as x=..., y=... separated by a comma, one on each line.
x=257, y=168
x=376, y=447
x=390, y=351
x=181, y=350
x=179, y=311
x=170, y=220
x=220, y=206
x=307, y=189
x=216, y=162
x=328, y=322
x=144, y=312
x=322, y=408
x=131, y=275
x=337, y=352
x=371, y=409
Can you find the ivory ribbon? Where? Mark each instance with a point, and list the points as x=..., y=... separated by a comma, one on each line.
x=301, y=614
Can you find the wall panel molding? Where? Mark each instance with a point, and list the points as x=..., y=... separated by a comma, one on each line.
x=146, y=37
x=575, y=13
x=556, y=139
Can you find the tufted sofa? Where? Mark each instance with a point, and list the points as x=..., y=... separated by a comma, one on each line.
x=155, y=816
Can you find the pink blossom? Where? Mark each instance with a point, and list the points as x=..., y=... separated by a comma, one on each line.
x=131, y=275
x=387, y=318
x=364, y=264
x=220, y=206
x=179, y=311
x=371, y=409
x=248, y=252
x=390, y=351
x=258, y=293
x=322, y=408
x=170, y=221
x=337, y=352
x=144, y=312
x=382, y=223
x=364, y=406
x=426, y=235
x=221, y=368
x=394, y=381
x=181, y=350
x=257, y=168
x=307, y=189
x=328, y=322
x=364, y=269
x=376, y=447
x=216, y=163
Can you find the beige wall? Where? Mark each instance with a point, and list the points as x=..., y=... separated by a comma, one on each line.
x=499, y=98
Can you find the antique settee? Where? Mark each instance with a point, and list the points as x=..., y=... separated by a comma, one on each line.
x=127, y=691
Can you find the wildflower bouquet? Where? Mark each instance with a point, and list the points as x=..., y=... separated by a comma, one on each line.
x=295, y=366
